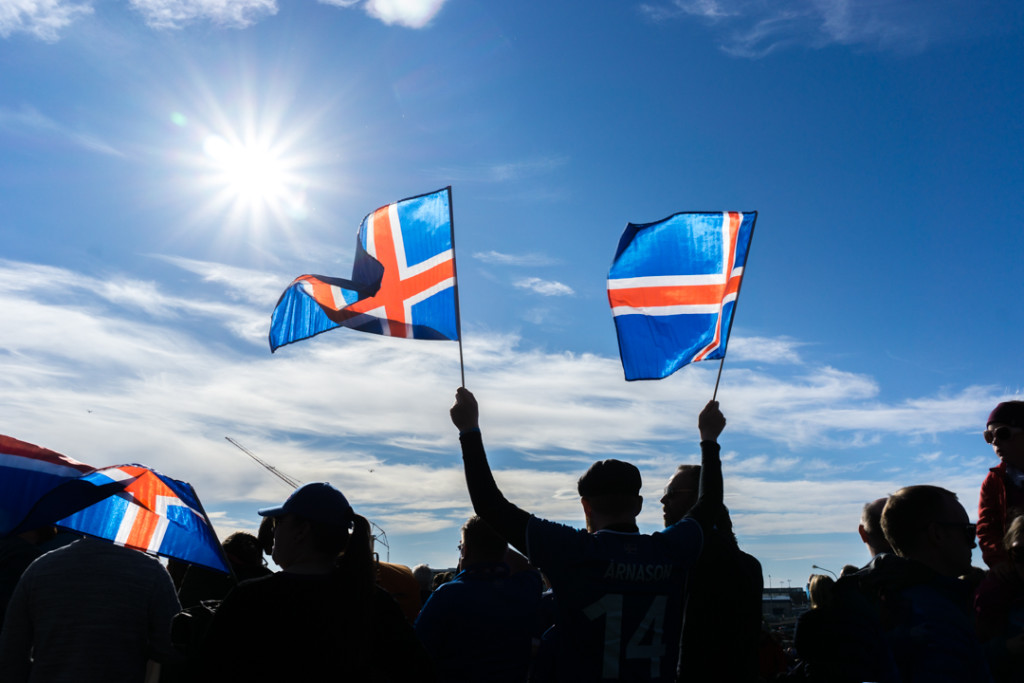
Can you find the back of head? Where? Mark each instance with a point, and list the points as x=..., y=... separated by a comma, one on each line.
x=909, y=512
x=871, y=527
x=611, y=486
x=820, y=590
x=481, y=542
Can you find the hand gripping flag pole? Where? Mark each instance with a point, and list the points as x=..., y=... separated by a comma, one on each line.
x=673, y=287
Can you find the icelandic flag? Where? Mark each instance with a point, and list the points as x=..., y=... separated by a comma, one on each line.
x=673, y=287
x=36, y=484
x=403, y=280
x=152, y=513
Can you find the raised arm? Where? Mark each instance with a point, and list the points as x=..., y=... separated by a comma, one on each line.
x=709, y=500
x=488, y=502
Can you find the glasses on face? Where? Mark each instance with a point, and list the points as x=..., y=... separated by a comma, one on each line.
x=1001, y=433
x=969, y=530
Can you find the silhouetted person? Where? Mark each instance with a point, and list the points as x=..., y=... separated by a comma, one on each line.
x=1002, y=491
x=321, y=617
x=479, y=625
x=245, y=556
x=618, y=592
x=928, y=615
x=722, y=619
x=999, y=609
x=89, y=612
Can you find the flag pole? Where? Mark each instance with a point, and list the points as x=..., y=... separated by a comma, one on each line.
x=736, y=301
x=455, y=276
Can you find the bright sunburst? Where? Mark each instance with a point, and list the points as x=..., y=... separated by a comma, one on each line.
x=254, y=179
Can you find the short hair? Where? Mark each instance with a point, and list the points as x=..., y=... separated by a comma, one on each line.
x=871, y=518
x=483, y=541
x=819, y=590
x=909, y=511
x=689, y=470
x=610, y=478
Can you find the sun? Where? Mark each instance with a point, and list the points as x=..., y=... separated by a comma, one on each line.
x=253, y=178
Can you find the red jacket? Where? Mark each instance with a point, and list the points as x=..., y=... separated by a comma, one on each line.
x=998, y=496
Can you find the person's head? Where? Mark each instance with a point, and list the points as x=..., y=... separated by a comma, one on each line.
x=480, y=543
x=1005, y=431
x=424, y=576
x=1013, y=541
x=610, y=494
x=680, y=493
x=243, y=550
x=928, y=524
x=870, y=527
x=314, y=526
x=819, y=590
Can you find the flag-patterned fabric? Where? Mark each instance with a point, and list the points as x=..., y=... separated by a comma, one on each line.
x=403, y=281
x=152, y=513
x=28, y=473
x=672, y=289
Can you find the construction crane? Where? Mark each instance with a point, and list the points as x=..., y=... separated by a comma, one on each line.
x=379, y=535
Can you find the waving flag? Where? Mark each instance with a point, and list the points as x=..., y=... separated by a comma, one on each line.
x=152, y=513
x=403, y=281
x=672, y=288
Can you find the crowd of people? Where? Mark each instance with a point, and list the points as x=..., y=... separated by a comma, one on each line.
x=533, y=600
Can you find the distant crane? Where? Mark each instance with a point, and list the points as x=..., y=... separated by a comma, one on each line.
x=379, y=535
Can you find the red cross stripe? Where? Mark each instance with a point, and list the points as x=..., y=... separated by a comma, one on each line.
x=402, y=285
x=145, y=522
x=682, y=294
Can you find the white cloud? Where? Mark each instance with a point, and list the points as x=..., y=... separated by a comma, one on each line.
x=43, y=19
x=117, y=369
x=175, y=14
x=765, y=349
x=545, y=287
x=531, y=259
x=408, y=13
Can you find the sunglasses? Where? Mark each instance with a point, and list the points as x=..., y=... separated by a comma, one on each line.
x=1002, y=433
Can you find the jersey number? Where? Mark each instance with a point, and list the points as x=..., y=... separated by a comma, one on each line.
x=646, y=642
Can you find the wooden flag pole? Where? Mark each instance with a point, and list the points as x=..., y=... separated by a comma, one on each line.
x=736, y=301
x=455, y=277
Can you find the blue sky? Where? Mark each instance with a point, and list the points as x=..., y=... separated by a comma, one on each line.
x=168, y=166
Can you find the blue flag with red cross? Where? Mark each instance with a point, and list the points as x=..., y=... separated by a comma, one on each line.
x=673, y=287
x=403, y=280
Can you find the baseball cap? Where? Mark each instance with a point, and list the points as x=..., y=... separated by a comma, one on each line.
x=1009, y=413
x=317, y=502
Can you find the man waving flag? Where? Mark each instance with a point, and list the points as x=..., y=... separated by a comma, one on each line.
x=403, y=280
x=673, y=287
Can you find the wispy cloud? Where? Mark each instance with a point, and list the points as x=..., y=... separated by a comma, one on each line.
x=175, y=14
x=120, y=369
x=756, y=28
x=43, y=19
x=545, y=287
x=505, y=171
x=29, y=121
x=531, y=259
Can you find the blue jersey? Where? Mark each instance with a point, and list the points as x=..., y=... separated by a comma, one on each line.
x=619, y=598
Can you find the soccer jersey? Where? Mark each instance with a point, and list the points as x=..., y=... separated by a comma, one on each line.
x=618, y=598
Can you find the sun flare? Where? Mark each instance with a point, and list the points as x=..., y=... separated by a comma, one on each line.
x=253, y=177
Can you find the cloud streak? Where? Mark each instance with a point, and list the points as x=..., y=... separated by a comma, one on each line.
x=757, y=28
x=117, y=369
